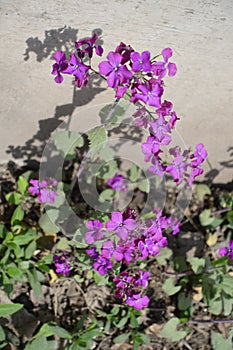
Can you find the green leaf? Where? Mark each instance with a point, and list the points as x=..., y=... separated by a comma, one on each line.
x=117, y=114
x=169, y=287
x=14, y=198
x=140, y=338
x=221, y=261
x=108, y=169
x=60, y=332
x=97, y=138
x=180, y=264
x=37, y=343
x=197, y=264
x=22, y=185
x=66, y=141
x=3, y=231
x=9, y=309
x=17, y=251
x=205, y=218
x=219, y=342
x=100, y=280
x=14, y=271
x=34, y=282
x=2, y=334
x=228, y=303
x=229, y=218
x=133, y=321
x=30, y=250
x=227, y=285
x=134, y=173
x=184, y=301
x=170, y=331
x=63, y=244
x=44, y=330
x=216, y=306
x=144, y=186
x=201, y=191
x=107, y=195
x=120, y=339
x=47, y=225
x=17, y=216
x=115, y=310
x=122, y=322
x=163, y=256
x=23, y=238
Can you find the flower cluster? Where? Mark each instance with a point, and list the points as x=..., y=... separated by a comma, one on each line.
x=62, y=264
x=227, y=251
x=141, y=77
x=117, y=182
x=126, y=240
x=75, y=65
x=129, y=288
x=45, y=190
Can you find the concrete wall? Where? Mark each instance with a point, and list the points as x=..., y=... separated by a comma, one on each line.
x=199, y=32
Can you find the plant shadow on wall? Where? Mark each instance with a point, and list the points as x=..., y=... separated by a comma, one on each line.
x=55, y=39
x=211, y=175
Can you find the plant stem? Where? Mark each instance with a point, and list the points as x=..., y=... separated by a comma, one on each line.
x=88, y=154
x=209, y=321
x=221, y=211
x=190, y=272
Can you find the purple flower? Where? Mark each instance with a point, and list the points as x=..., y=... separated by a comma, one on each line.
x=93, y=253
x=173, y=120
x=200, y=154
x=161, y=68
x=62, y=264
x=141, y=62
x=62, y=269
x=95, y=234
x=125, y=52
x=78, y=70
x=107, y=249
x=150, y=94
x=129, y=213
x=102, y=265
x=160, y=128
x=179, y=165
x=117, y=182
x=121, y=226
x=115, y=72
x=60, y=66
x=150, y=147
x=157, y=168
x=86, y=46
x=165, y=108
x=227, y=251
x=137, y=301
x=44, y=190
x=142, y=279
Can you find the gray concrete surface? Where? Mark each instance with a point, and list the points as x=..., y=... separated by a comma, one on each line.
x=199, y=32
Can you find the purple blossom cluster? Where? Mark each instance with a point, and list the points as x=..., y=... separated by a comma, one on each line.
x=75, y=65
x=127, y=240
x=117, y=182
x=141, y=77
x=45, y=190
x=227, y=251
x=62, y=264
x=123, y=240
